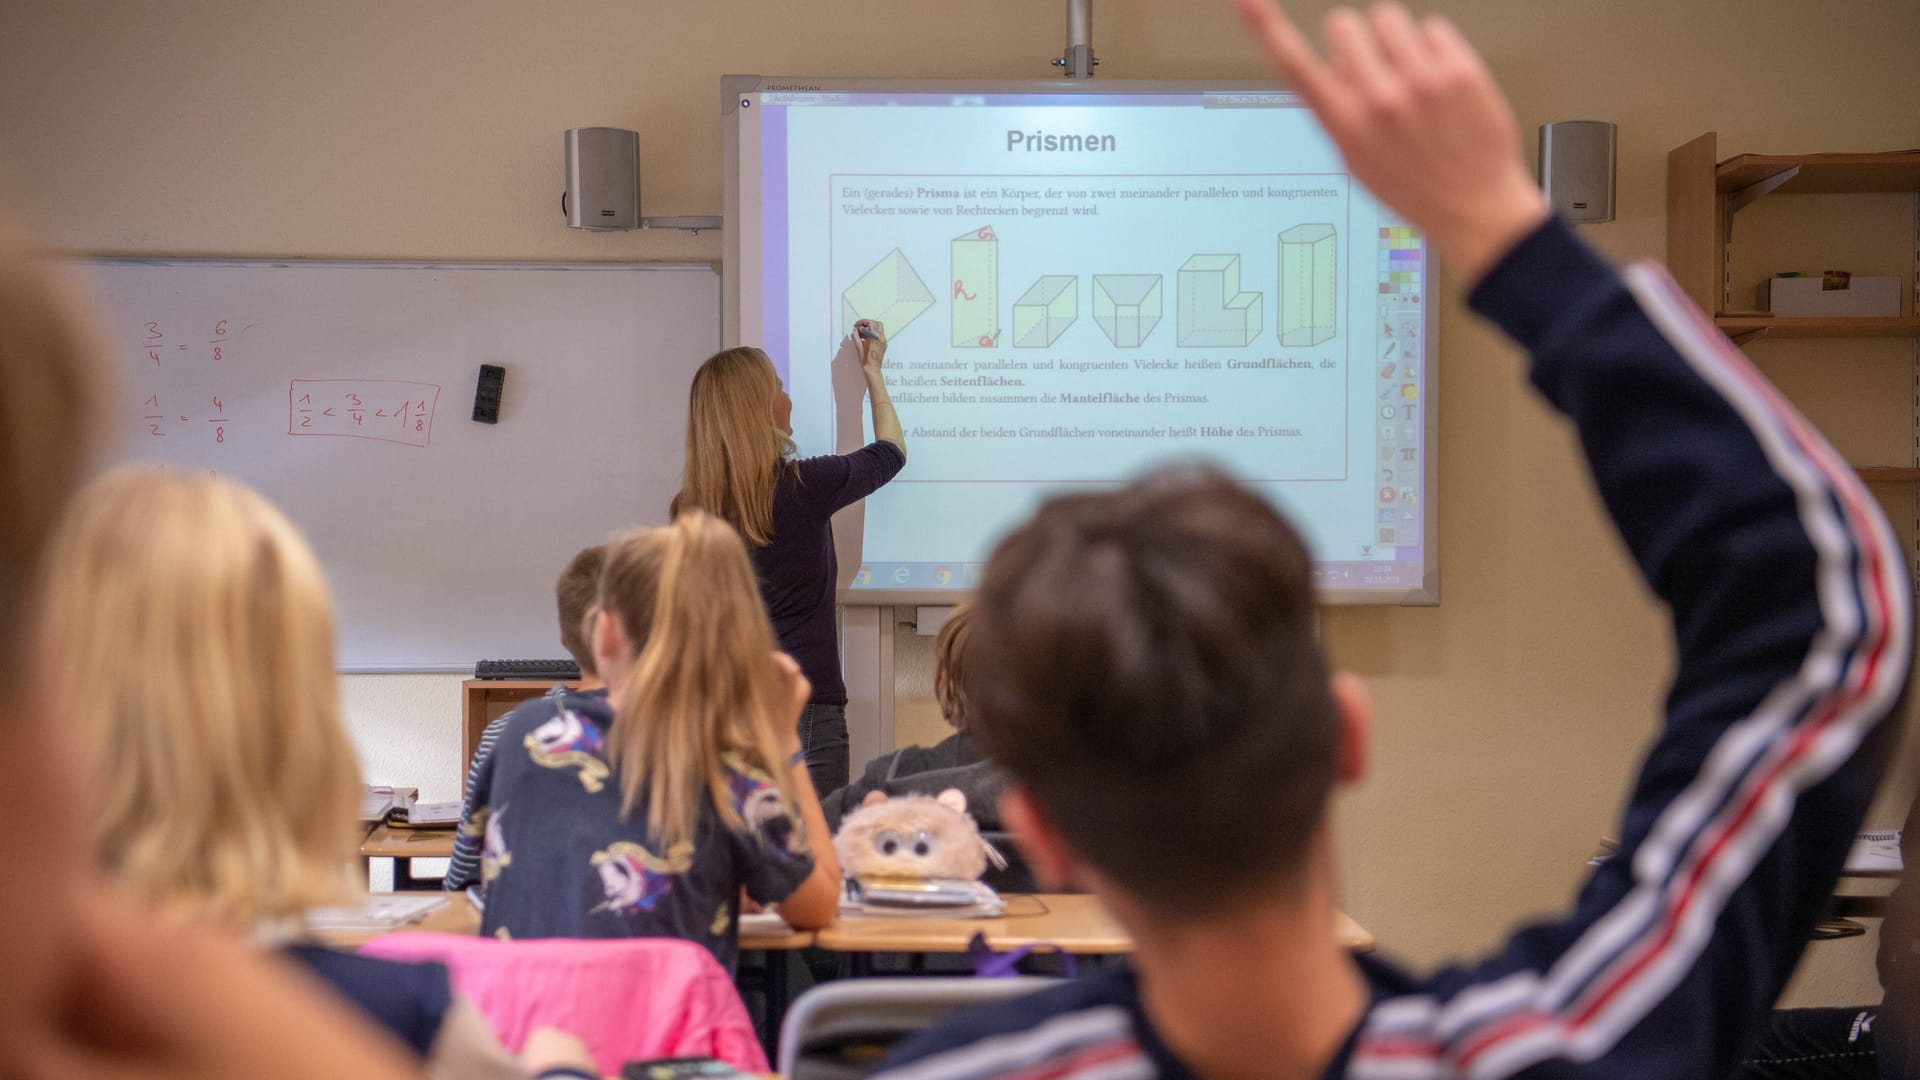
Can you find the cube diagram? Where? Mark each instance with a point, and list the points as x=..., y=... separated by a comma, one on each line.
x=1309, y=284
x=1214, y=313
x=1045, y=311
x=891, y=293
x=1126, y=307
x=976, y=289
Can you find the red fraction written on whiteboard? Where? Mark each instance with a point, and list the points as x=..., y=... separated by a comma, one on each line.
x=385, y=410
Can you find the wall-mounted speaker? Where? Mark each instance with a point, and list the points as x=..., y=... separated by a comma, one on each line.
x=603, y=178
x=1577, y=167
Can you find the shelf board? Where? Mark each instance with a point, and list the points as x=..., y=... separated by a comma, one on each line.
x=1736, y=326
x=1823, y=173
x=1888, y=474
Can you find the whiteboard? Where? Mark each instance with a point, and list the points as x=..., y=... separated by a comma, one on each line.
x=344, y=392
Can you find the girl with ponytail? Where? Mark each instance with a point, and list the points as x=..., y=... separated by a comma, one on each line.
x=646, y=809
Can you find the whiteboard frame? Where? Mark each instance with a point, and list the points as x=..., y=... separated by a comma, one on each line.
x=86, y=259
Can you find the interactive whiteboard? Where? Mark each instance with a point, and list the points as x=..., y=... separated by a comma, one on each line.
x=1084, y=279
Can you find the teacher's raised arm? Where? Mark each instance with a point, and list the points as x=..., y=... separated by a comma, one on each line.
x=742, y=467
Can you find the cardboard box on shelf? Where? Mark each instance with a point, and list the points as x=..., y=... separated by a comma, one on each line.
x=1806, y=297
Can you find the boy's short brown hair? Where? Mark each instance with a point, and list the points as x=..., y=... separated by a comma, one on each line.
x=577, y=591
x=1146, y=667
x=950, y=666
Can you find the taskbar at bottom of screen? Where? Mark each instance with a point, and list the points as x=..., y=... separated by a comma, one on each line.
x=1383, y=573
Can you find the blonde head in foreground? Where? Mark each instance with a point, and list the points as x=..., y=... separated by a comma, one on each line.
x=191, y=636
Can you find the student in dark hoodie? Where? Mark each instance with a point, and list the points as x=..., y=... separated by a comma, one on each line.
x=954, y=762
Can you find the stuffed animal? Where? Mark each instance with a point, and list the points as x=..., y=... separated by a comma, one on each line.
x=913, y=836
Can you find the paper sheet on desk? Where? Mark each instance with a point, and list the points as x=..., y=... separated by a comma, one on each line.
x=764, y=922
x=383, y=912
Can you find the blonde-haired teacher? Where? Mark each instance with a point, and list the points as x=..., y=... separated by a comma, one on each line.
x=741, y=467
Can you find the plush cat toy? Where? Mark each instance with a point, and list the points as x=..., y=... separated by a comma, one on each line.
x=914, y=836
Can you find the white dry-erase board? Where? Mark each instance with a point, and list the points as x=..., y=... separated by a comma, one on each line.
x=344, y=392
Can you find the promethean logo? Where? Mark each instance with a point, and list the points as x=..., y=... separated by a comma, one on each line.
x=791, y=86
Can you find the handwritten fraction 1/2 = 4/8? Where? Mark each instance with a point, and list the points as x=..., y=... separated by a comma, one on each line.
x=381, y=409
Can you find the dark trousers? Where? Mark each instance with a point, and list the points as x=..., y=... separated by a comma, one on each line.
x=1815, y=1044
x=823, y=738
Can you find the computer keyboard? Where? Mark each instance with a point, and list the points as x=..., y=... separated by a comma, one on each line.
x=553, y=670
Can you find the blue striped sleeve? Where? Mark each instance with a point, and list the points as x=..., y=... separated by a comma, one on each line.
x=1790, y=614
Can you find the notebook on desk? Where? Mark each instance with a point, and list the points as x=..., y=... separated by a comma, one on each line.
x=425, y=815
x=1875, y=853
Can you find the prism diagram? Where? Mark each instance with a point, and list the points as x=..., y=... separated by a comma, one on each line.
x=976, y=289
x=1309, y=289
x=1127, y=306
x=1045, y=311
x=1214, y=313
x=890, y=292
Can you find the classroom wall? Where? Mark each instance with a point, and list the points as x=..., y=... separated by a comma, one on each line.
x=1509, y=717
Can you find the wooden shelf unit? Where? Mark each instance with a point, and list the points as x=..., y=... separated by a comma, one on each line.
x=1703, y=195
x=1888, y=474
x=1738, y=327
x=1821, y=174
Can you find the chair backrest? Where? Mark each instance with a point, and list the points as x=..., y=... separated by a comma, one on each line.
x=629, y=1000
x=833, y=1031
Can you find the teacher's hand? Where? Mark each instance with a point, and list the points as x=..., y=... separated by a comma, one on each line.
x=873, y=351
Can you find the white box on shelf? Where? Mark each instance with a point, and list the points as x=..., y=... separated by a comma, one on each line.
x=1864, y=297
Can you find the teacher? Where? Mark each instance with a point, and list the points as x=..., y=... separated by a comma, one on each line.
x=741, y=467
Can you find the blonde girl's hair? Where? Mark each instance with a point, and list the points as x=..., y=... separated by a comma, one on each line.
x=704, y=694
x=734, y=453
x=191, y=636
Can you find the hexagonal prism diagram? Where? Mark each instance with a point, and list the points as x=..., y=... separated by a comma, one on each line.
x=1309, y=284
x=891, y=292
x=1126, y=307
x=1214, y=313
x=1045, y=311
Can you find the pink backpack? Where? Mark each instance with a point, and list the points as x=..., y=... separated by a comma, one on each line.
x=630, y=999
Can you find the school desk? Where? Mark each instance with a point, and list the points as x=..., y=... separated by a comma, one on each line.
x=486, y=700
x=460, y=916
x=403, y=846
x=1060, y=922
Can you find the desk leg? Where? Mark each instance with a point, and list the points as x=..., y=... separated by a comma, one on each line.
x=779, y=992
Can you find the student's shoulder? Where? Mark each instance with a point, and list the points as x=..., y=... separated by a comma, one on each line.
x=1081, y=1028
x=409, y=999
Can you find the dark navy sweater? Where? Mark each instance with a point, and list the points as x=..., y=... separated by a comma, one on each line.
x=1790, y=609
x=798, y=568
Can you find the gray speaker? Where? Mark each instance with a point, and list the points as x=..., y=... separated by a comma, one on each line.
x=603, y=178
x=1577, y=166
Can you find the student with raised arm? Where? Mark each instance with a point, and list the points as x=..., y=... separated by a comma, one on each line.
x=646, y=811
x=1158, y=694
x=741, y=468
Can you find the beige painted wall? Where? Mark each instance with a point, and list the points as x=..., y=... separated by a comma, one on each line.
x=1509, y=718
